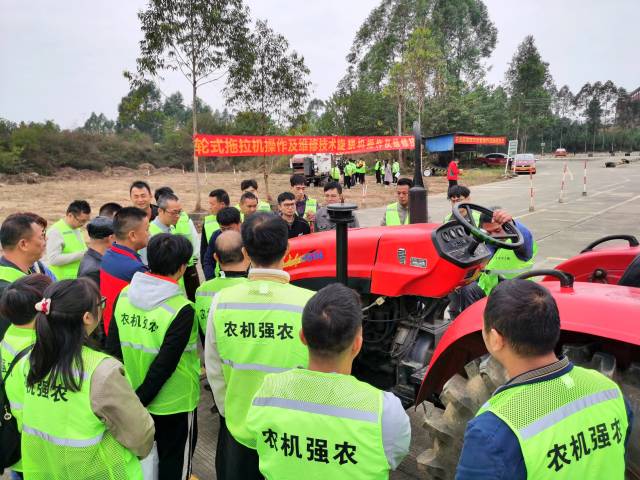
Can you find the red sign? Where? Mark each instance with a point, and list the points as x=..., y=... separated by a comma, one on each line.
x=249, y=146
x=473, y=140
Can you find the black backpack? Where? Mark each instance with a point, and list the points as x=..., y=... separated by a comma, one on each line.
x=9, y=434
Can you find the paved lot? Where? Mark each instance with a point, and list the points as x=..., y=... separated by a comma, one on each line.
x=612, y=205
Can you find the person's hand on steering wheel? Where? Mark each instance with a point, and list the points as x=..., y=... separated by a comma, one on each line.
x=506, y=235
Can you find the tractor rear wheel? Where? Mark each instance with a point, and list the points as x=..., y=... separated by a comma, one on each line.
x=462, y=397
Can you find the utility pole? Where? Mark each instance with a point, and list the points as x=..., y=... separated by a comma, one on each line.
x=418, y=211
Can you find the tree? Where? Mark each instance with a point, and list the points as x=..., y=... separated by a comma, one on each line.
x=141, y=109
x=423, y=60
x=99, y=124
x=198, y=38
x=174, y=109
x=563, y=106
x=269, y=81
x=467, y=35
x=529, y=84
x=398, y=90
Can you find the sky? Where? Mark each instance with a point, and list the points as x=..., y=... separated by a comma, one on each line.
x=61, y=61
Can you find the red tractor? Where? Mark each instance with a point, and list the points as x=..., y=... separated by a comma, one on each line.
x=404, y=275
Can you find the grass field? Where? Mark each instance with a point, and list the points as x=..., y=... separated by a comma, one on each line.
x=51, y=196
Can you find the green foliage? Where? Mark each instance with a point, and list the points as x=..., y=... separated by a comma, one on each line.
x=99, y=124
x=268, y=79
x=141, y=109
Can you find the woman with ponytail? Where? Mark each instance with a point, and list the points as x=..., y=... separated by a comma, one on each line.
x=81, y=418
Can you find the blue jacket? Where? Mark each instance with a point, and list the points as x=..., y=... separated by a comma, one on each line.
x=208, y=262
x=525, y=252
x=491, y=450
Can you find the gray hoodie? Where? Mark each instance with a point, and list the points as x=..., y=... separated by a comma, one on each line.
x=148, y=292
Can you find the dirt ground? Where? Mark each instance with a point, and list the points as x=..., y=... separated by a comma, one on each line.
x=51, y=195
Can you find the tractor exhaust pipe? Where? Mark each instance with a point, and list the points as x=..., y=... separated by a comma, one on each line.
x=341, y=214
x=418, y=211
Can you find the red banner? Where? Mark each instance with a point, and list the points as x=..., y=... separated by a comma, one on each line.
x=473, y=140
x=250, y=146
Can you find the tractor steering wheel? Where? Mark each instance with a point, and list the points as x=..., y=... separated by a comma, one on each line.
x=511, y=239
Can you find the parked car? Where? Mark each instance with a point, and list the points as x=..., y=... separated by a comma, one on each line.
x=493, y=160
x=560, y=152
x=525, y=163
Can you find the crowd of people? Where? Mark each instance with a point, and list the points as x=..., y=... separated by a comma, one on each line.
x=100, y=343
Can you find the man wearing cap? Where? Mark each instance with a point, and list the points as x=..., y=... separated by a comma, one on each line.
x=100, y=231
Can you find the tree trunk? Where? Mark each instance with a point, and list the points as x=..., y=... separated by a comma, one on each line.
x=400, y=128
x=196, y=169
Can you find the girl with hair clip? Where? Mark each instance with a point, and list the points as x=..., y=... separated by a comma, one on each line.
x=81, y=418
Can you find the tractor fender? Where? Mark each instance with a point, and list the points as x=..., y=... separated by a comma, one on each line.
x=603, y=311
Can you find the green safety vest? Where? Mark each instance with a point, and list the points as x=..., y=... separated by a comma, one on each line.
x=395, y=167
x=15, y=340
x=154, y=229
x=308, y=424
x=335, y=173
x=62, y=438
x=377, y=166
x=73, y=243
x=362, y=168
x=206, y=292
x=392, y=217
x=569, y=427
x=351, y=168
x=210, y=226
x=141, y=335
x=257, y=326
x=474, y=214
x=311, y=205
x=504, y=262
x=10, y=274
x=183, y=227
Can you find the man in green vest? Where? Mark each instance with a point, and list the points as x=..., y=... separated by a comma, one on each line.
x=218, y=199
x=551, y=420
x=504, y=263
x=397, y=213
x=65, y=243
x=361, y=170
x=23, y=243
x=348, y=171
x=335, y=173
x=251, y=185
x=321, y=422
x=395, y=170
x=253, y=329
x=153, y=331
x=377, y=168
x=248, y=205
x=305, y=206
x=234, y=265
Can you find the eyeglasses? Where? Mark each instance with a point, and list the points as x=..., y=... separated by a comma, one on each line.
x=175, y=213
x=103, y=303
x=288, y=204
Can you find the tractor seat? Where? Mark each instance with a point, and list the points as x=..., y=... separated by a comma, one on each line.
x=631, y=276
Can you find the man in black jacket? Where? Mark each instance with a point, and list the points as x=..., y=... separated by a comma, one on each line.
x=287, y=207
x=154, y=333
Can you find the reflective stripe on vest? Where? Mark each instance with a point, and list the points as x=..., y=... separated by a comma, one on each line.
x=141, y=335
x=210, y=226
x=10, y=274
x=392, y=217
x=574, y=425
x=506, y=263
x=72, y=243
x=205, y=293
x=62, y=438
x=329, y=411
x=335, y=173
x=257, y=326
